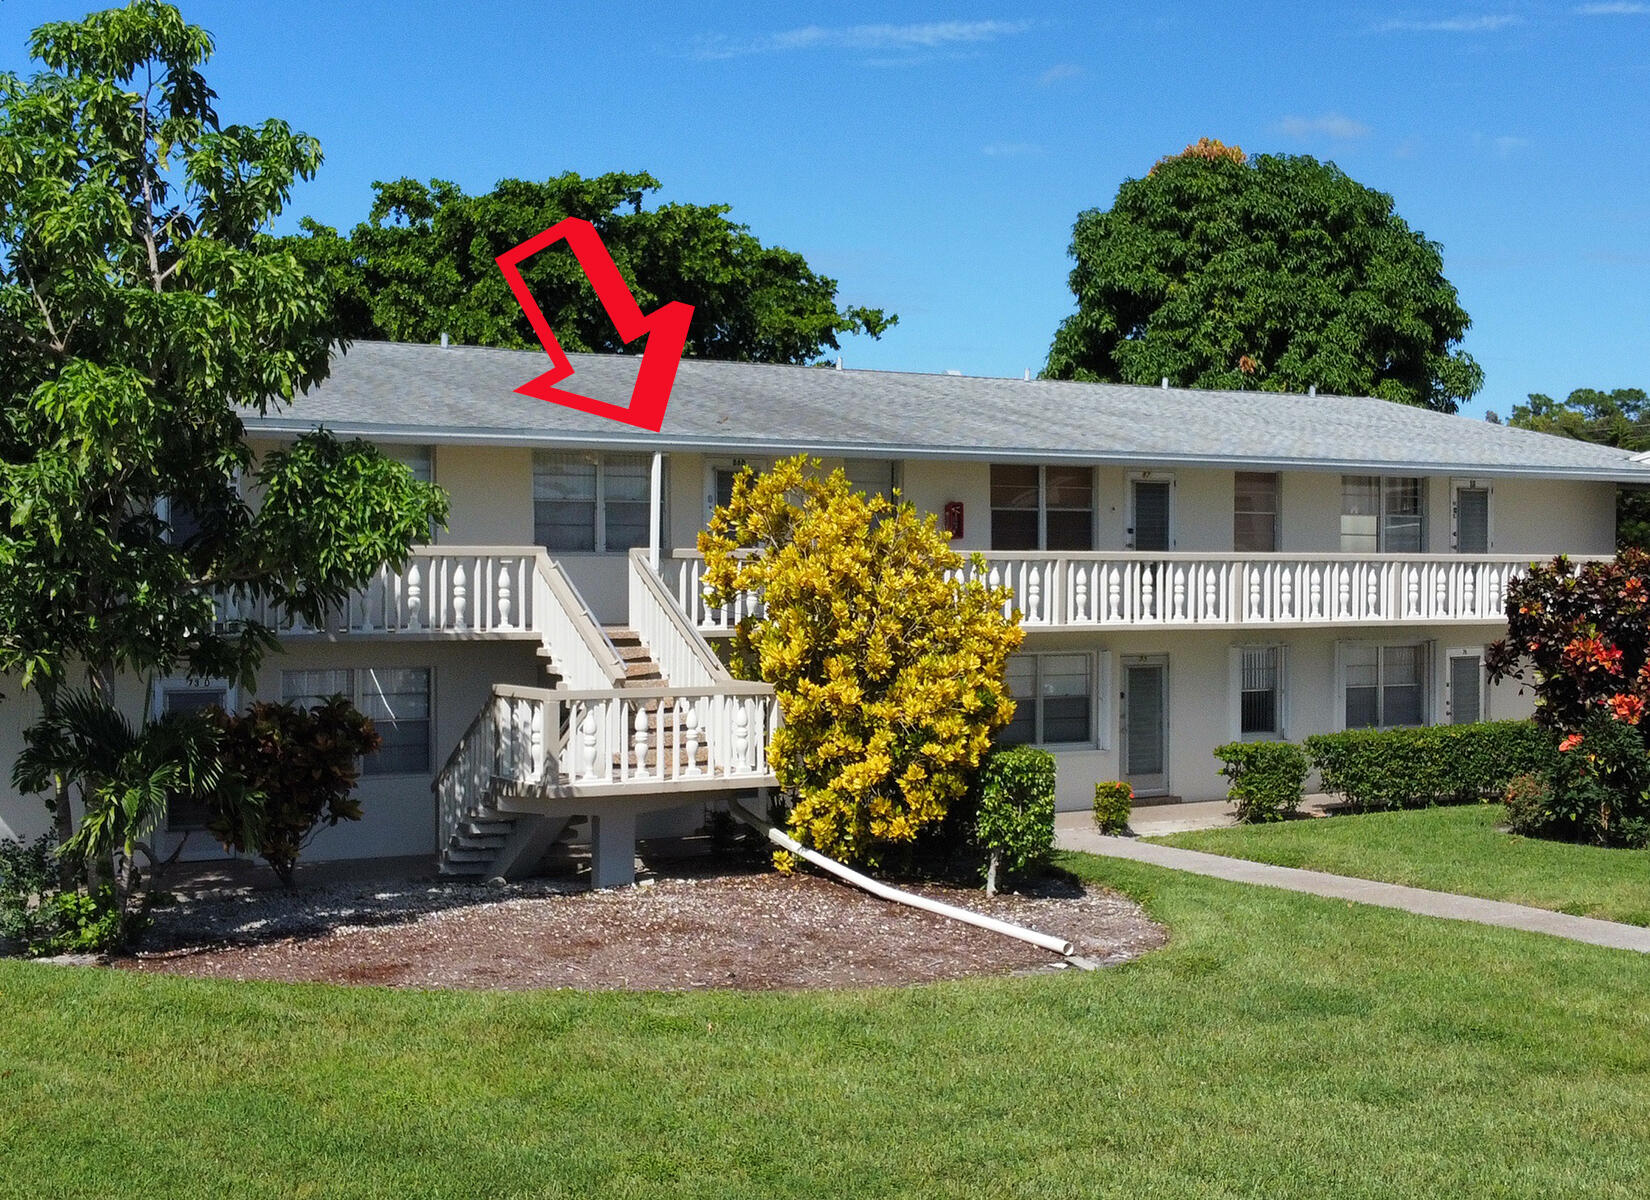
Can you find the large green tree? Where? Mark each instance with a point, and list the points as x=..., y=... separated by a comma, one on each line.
x=422, y=264
x=142, y=305
x=1618, y=418
x=1277, y=272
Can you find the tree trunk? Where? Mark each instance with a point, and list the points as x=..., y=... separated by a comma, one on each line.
x=991, y=874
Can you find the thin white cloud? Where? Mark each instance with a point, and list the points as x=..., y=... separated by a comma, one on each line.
x=1058, y=72
x=929, y=35
x=1612, y=10
x=1012, y=149
x=1488, y=23
x=1332, y=125
x=1506, y=146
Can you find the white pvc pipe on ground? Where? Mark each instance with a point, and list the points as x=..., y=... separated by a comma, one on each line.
x=829, y=865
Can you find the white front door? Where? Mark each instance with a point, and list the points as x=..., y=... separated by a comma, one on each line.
x=1145, y=724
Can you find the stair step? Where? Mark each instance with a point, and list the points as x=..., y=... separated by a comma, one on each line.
x=471, y=870
x=464, y=854
x=466, y=841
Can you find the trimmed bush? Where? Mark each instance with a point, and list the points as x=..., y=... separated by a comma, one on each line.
x=1113, y=802
x=1377, y=769
x=1529, y=801
x=1268, y=778
x=1015, y=822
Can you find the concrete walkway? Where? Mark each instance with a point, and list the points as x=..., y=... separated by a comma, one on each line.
x=1363, y=891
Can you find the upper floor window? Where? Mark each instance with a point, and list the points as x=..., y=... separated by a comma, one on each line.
x=872, y=476
x=420, y=460
x=1384, y=685
x=1382, y=516
x=595, y=503
x=1041, y=508
x=1255, y=512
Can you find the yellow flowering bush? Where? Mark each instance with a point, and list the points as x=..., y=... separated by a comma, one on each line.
x=888, y=667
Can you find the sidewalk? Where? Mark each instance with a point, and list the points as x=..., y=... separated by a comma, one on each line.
x=1363, y=891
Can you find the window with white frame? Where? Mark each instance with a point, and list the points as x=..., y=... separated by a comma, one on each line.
x=1383, y=516
x=588, y=502
x=1260, y=692
x=396, y=698
x=1255, y=512
x=1054, y=699
x=1041, y=508
x=1384, y=686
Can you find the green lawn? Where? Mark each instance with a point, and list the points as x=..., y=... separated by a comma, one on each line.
x=1281, y=1046
x=1455, y=849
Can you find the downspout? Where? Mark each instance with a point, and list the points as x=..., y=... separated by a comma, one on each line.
x=655, y=509
x=831, y=867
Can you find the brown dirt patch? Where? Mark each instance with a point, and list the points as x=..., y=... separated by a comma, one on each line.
x=755, y=931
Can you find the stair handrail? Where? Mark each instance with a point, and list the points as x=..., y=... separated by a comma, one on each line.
x=589, y=661
x=683, y=654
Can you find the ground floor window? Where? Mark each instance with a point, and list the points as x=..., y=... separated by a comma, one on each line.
x=1260, y=692
x=1054, y=699
x=1384, y=685
x=396, y=698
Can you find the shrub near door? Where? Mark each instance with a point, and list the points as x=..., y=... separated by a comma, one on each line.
x=1375, y=769
x=1268, y=778
x=1015, y=824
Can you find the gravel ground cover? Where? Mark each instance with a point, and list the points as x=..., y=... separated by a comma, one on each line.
x=694, y=927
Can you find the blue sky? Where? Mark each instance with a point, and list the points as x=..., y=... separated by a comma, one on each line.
x=932, y=159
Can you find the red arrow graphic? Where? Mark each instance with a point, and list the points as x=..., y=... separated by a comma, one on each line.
x=665, y=328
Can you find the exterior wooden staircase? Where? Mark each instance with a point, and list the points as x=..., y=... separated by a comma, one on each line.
x=639, y=718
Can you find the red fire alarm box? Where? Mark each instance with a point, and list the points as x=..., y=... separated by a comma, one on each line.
x=953, y=518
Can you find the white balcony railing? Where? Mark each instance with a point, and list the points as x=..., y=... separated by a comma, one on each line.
x=1130, y=590
x=586, y=745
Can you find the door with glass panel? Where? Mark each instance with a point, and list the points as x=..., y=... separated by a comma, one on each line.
x=1145, y=721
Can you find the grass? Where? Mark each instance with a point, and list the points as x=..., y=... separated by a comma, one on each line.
x=1455, y=849
x=1280, y=1046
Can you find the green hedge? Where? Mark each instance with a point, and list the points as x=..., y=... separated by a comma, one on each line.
x=1376, y=769
x=1268, y=778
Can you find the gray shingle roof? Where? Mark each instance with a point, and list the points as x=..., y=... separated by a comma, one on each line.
x=402, y=392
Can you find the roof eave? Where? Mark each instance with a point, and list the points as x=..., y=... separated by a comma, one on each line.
x=664, y=442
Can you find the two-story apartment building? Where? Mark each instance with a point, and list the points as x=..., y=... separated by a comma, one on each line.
x=1192, y=568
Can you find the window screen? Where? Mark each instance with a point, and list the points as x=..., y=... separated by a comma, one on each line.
x=1070, y=508
x=307, y=689
x=564, y=501
x=1254, y=512
x=627, y=489
x=1015, y=507
x=398, y=701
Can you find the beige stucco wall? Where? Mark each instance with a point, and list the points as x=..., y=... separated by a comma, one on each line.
x=1202, y=704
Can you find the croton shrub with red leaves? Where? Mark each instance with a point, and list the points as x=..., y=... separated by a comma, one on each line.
x=1579, y=637
x=289, y=772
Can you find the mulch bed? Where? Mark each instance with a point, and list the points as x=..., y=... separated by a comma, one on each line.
x=694, y=928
